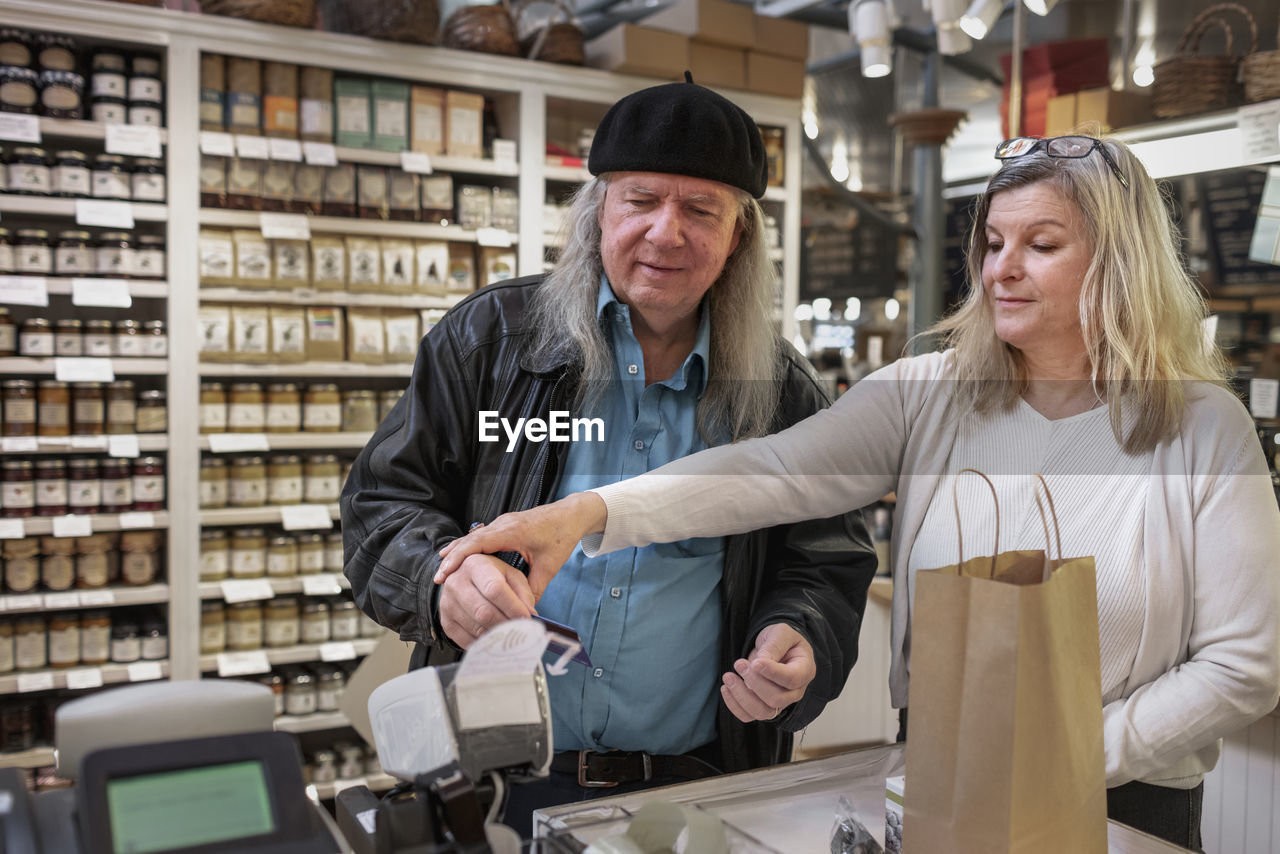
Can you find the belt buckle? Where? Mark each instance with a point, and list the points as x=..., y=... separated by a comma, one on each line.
x=584, y=756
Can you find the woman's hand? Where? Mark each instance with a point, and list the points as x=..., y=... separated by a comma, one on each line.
x=544, y=536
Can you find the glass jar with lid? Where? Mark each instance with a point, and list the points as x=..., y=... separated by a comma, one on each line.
x=6, y=665
x=139, y=557
x=315, y=622
x=85, y=485
x=274, y=682
x=19, y=408
x=149, y=257
x=155, y=341
x=148, y=180
x=344, y=619
x=51, y=488
x=109, y=110
x=95, y=637
x=117, y=486
x=74, y=255
x=126, y=643
x=21, y=565
x=108, y=74
x=68, y=337
x=122, y=407
x=284, y=479
x=333, y=556
x=99, y=338
x=282, y=557
x=213, y=627
x=88, y=409
x=246, y=409
x=248, y=482
x=215, y=555
x=62, y=94
x=213, y=408
x=30, y=642
x=8, y=329
x=299, y=693
x=284, y=408
x=359, y=411
x=244, y=626
x=35, y=338
x=152, y=415
x=55, y=52
x=214, y=483
x=32, y=254
x=15, y=48
x=129, y=342
x=155, y=640
x=322, y=476
x=330, y=683
x=18, y=491
x=322, y=408
x=28, y=168
x=310, y=553
x=19, y=89
x=70, y=175
x=282, y=622
x=111, y=177
x=324, y=766
x=148, y=483
x=248, y=553
x=114, y=255
x=64, y=640
x=57, y=563
x=93, y=561
x=53, y=408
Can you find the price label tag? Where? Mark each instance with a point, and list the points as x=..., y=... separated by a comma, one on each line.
x=97, y=598
x=304, y=517
x=320, y=153
x=1259, y=126
x=247, y=590
x=221, y=144
x=30, y=602
x=11, y=529
x=145, y=671
x=61, y=600
x=20, y=445
x=493, y=237
x=73, y=526
x=77, y=369
x=137, y=519
x=254, y=147
x=416, y=161
x=504, y=152
x=28, y=682
x=104, y=214
x=324, y=584
x=337, y=651
x=24, y=290
x=243, y=663
x=89, y=443
x=123, y=446
x=19, y=127
x=107, y=293
x=134, y=140
x=1264, y=395
x=84, y=677
x=285, y=149
x=283, y=226
x=229, y=443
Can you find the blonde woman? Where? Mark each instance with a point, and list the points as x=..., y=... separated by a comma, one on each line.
x=1078, y=355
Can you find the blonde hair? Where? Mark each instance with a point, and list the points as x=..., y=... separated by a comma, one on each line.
x=1140, y=311
x=744, y=375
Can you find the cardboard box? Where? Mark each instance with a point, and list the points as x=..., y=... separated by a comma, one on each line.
x=1060, y=115
x=715, y=21
x=390, y=115
x=774, y=75
x=464, y=117
x=1112, y=109
x=632, y=49
x=713, y=65
x=427, y=120
x=781, y=37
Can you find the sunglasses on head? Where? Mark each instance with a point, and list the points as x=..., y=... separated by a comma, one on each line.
x=1070, y=147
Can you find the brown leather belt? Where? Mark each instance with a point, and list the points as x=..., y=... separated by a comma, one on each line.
x=602, y=770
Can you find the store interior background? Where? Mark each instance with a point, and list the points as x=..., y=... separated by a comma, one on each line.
x=850, y=181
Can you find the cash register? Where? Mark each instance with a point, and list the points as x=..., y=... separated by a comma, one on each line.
x=169, y=767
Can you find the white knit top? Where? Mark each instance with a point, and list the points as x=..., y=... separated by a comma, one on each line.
x=1099, y=493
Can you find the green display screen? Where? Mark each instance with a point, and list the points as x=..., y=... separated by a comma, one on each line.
x=182, y=809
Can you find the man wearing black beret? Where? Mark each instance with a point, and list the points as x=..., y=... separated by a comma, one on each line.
x=706, y=654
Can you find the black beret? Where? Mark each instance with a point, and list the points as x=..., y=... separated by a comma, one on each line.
x=684, y=129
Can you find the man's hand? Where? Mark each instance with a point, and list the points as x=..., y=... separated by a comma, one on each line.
x=781, y=666
x=544, y=536
x=482, y=593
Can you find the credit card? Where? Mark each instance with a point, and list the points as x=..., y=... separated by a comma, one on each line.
x=557, y=633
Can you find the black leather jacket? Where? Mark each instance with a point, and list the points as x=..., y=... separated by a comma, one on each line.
x=424, y=478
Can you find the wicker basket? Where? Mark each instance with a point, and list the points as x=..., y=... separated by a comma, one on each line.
x=1189, y=83
x=415, y=21
x=290, y=13
x=550, y=40
x=488, y=29
x=1261, y=73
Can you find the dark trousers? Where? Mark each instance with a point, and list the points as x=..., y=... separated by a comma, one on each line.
x=1170, y=814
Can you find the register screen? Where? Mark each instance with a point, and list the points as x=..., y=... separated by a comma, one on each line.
x=181, y=809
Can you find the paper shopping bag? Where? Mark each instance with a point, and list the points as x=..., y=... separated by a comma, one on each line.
x=1004, y=746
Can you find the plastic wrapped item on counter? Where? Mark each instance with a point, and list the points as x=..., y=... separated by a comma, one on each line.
x=849, y=835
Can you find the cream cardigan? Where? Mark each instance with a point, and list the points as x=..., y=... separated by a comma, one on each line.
x=1209, y=659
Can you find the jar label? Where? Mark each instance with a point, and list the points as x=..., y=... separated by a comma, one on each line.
x=20, y=411
x=125, y=649
x=129, y=344
x=244, y=634
x=95, y=643
x=213, y=493
x=107, y=83
x=155, y=648
x=18, y=496
x=213, y=415
x=248, y=563
x=246, y=415
x=6, y=656
x=284, y=416
x=149, y=116
x=327, y=699
x=333, y=558
x=51, y=493
x=97, y=344
x=86, y=494
x=213, y=638
x=34, y=259
x=149, y=263
x=58, y=572
x=345, y=627
x=284, y=490
x=148, y=187
x=138, y=568
x=29, y=650
x=152, y=419
x=54, y=414
x=155, y=346
x=71, y=180
x=60, y=97
x=89, y=411
x=310, y=560
x=21, y=573
x=122, y=411
x=6, y=266
x=144, y=89
x=321, y=490
x=213, y=563
x=31, y=177
x=315, y=629
x=321, y=415
x=109, y=112
x=73, y=259
x=110, y=185
x=70, y=344
x=113, y=261
x=248, y=492
x=117, y=492
x=64, y=646
x=299, y=702
x=282, y=564
x=148, y=488
x=282, y=632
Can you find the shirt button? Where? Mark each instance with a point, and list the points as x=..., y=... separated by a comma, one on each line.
x=615, y=592
x=633, y=369
x=599, y=671
x=639, y=445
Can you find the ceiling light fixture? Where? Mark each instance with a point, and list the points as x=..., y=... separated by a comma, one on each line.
x=870, y=23
x=1040, y=7
x=980, y=18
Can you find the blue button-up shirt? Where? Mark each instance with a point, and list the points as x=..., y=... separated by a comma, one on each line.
x=650, y=617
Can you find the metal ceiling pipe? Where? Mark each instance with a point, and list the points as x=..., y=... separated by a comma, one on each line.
x=928, y=270
x=914, y=40
x=1015, y=69
x=861, y=205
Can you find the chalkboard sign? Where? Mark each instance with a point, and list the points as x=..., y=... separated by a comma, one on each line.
x=838, y=262
x=959, y=218
x=1231, y=199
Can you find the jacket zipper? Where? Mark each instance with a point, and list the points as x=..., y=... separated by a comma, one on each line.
x=516, y=560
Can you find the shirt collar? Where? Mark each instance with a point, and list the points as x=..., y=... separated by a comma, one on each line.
x=694, y=369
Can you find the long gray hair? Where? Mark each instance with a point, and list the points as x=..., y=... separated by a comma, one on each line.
x=744, y=374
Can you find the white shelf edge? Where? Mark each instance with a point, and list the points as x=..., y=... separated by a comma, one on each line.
x=121, y=367
x=147, y=443
x=280, y=586
x=301, y=654
x=250, y=515
x=138, y=288
x=151, y=594
x=45, y=206
x=775, y=194
x=306, y=441
x=81, y=129
x=308, y=723
x=375, y=782
x=39, y=526
x=112, y=673
x=304, y=369
x=439, y=162
x=314, y=297
x=568, y=174
x=346, y=225
x=36, y=757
